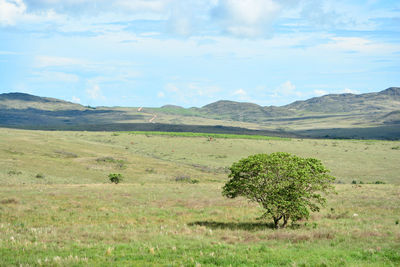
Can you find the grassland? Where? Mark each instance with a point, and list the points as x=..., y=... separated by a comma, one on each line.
x=210, y=135
x=57, y=207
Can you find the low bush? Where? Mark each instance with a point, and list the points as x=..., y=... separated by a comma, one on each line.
x=119, y=162
x=13, y=172
x=186, y=179
x=115, y=178
x=9, y=201
x=39, y=176
x=150, y=170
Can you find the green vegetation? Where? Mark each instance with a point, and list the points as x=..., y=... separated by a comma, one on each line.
x=286, y=186
x=210, y=135
x=151, y=219
x=115, y=178
x=186, y=179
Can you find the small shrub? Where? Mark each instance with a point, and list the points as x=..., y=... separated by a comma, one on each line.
x=120, y=164
x=397, y=222
x=39, y=176
x=106, y=160
x=115, y=178
x=115, y=134
x=379, y=182
x=186, y=179
x=361, y=182
x=9, y=201
x=12, y=172
x=150, y=170
x=396, y=148
x=354, y=182
x=336, y=216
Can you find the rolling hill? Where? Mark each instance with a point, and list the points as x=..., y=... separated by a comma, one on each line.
x=371, y=115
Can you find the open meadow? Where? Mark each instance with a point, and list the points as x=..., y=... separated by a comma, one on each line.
x=58, y=208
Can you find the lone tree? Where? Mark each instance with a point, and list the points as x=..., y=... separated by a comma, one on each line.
x=286, y=186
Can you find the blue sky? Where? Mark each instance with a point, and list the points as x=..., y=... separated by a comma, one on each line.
x=191, y=53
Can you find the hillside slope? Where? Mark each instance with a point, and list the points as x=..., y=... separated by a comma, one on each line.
x=27, y=101
x=385, y=100
x=314, y=117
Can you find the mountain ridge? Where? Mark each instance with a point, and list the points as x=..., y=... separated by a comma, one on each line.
x=391, y=91
x=318, y=114
x=16, y=100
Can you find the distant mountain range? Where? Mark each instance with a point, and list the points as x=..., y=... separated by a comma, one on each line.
x=333, y=115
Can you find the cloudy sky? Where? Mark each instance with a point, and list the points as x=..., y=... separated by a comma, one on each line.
x=193, y=52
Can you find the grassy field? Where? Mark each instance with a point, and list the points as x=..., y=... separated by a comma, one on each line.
x=208, y=135
x=58, y=209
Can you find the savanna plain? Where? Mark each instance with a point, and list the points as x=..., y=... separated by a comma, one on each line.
x=58, y=207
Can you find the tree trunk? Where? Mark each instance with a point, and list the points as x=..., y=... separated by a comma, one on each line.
x=285, y=221
x=276, y=221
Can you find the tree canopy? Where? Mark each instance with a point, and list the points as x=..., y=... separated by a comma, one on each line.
x=288, y=187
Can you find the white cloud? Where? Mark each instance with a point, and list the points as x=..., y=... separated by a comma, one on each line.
x=76, y=7
x=75, y=99
x=10, y=11
x=248, y=18
x=180, y=25
x=94, y=92
x=149, y=34
x=285, y=93
x=242, y=95
x=349, y=91
x=171, y=88
x=8, y=53
x=203, y=90
x=56, y=76
x=49, y=61
x=320, y=14
x=320, y=92
x=240, y=92
x=160, y=94
x=287, y=88
x=141, y=5
x=195, y=93
x=349, y=44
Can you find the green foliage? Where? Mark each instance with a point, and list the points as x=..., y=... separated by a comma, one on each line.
x=286, y=186
x=115, y=178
